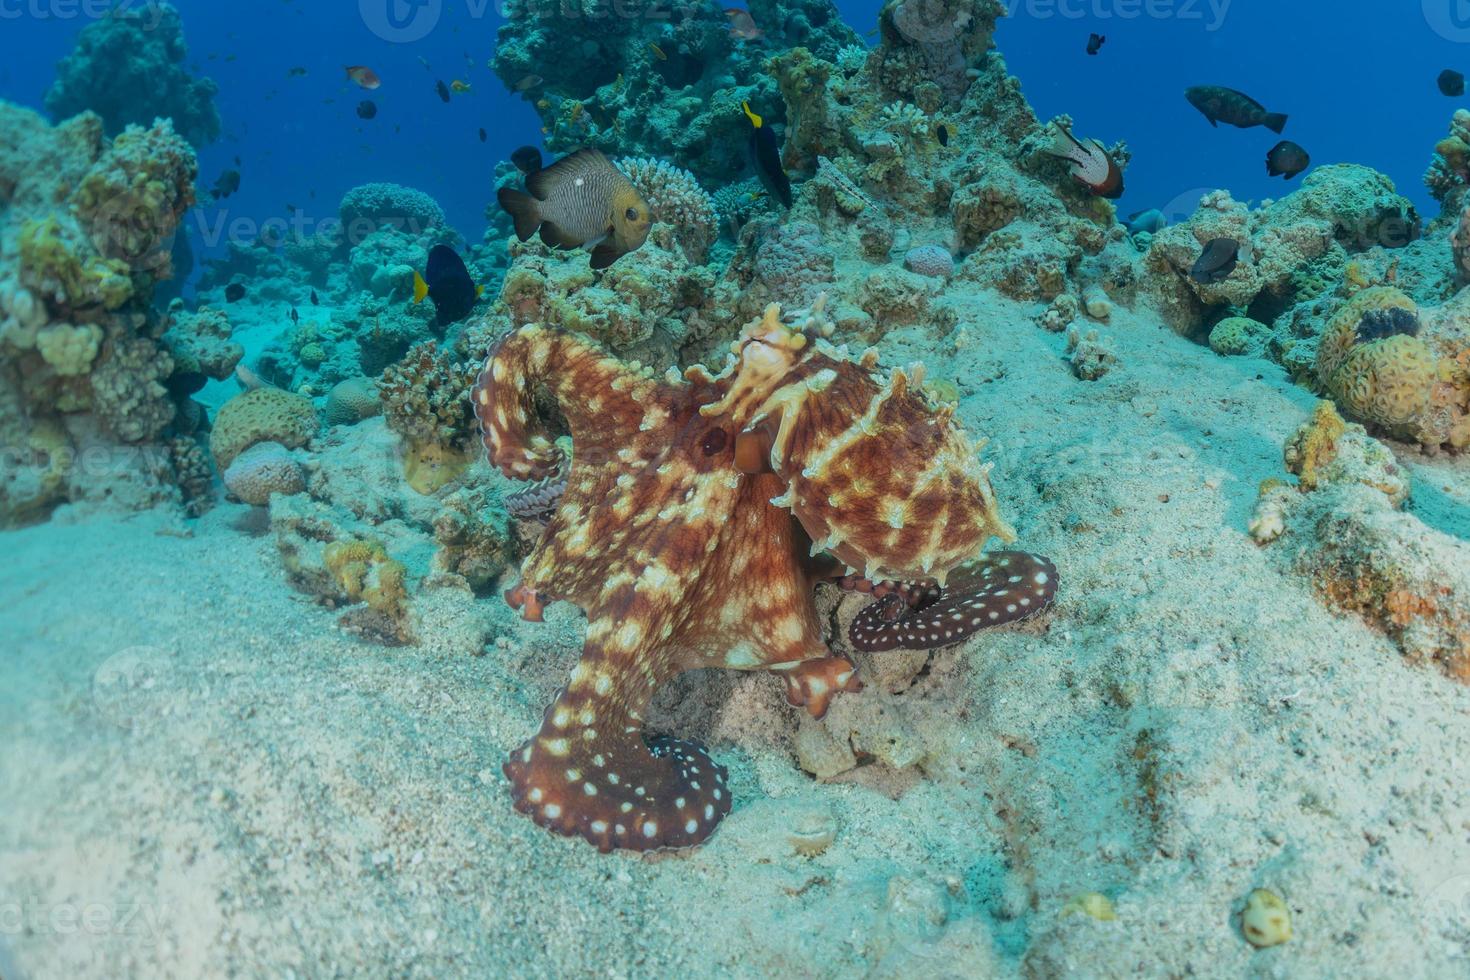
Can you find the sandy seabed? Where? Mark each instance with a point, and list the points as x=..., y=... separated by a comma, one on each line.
x=204, y=776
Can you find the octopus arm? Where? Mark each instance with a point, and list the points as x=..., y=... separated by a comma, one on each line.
x=999, y=588
x=605, y=401
x=591, y=772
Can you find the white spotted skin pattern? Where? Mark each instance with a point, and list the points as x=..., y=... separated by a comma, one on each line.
x=1002, y=587
x=678, y=557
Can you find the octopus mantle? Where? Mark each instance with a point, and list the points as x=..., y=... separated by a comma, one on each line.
x=698, y=514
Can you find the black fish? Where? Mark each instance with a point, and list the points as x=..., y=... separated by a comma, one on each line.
x=1216, y=262
x=367, y=109
x=941, y=133
x=526, y=158
x=314, y=300
x=442, y=89
x=447, y=283
x=1452, y=83
x=1219, y=104
x=234, y=292
x=1286, y=159
x=765, y=155
x=227, y=184
x=295, y=317
x=483, y=135
x=1095, y=42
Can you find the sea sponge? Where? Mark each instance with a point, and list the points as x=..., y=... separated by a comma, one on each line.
x=263, y=469
x=353, y=400
x=676, y=199
x=262, y=415
x=69, y=349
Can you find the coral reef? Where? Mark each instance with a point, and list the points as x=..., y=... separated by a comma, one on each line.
x=85, y=231
x=791, y=420
x=1339, y=212
x=128, y=68
x=426, y=403
x=648, y=81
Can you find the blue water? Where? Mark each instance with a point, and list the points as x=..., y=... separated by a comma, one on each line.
x=1357, y=80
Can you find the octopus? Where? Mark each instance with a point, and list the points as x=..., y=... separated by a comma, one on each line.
x=699, y=512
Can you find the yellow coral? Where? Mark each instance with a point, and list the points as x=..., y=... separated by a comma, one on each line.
x=1314, y=445
x=1341, y=332
x=263, y=415
x=69, y=349
x=365, y=573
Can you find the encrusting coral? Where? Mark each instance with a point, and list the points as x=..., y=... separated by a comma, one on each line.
x=426, y=403
x=667, y=519
x=1343, y=528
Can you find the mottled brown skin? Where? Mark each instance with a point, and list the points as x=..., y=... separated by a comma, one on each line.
x=680, y=558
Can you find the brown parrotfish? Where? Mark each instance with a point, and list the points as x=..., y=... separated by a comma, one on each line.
x=1225, y=105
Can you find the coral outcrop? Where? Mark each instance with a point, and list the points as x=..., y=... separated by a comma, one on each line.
x=86, y=226
x=128, y=68
x=1343, y=527
x=1400, y=368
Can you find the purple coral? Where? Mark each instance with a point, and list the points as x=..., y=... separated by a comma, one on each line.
x=793, y=263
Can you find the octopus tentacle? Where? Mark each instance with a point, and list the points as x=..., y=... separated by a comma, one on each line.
x=589, y=772
x=602, y=399
x=999, y=588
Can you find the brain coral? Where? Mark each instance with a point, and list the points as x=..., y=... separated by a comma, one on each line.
x=263, y=469
x=262, y=415
x=930, y=260
x=351, y=401
x=1404, y=369
x=677, y=200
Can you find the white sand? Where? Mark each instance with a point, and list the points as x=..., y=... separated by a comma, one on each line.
x=203, y=776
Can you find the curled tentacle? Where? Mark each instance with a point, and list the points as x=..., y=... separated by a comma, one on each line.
x=590, y=773
x=538, y=502
x=999, y=588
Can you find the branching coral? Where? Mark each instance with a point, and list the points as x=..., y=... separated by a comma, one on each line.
x=426, y=402
x=676, y=200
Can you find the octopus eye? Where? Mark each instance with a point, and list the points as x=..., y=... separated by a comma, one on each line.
x=714, y=442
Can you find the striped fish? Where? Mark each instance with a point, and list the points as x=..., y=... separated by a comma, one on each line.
x=581, y=199
x=1092, y=167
